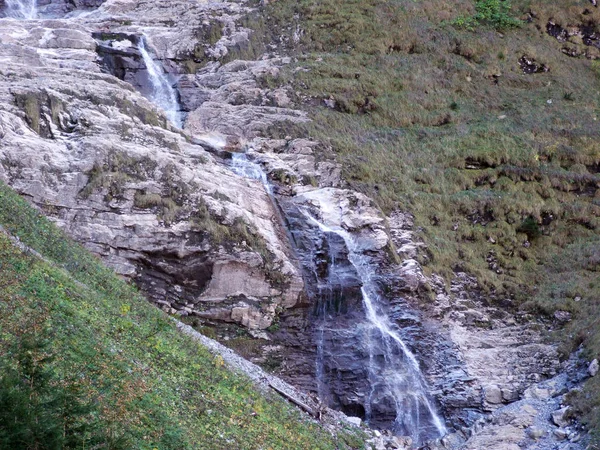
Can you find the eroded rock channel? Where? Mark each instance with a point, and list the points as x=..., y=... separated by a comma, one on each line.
x=123, y=126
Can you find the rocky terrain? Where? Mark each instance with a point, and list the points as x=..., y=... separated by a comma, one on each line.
x=164, y=206
x=97, y=156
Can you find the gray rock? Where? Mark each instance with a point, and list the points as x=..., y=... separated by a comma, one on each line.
x=152, y=224
x=510, y=395
x=562, y=316
x=561, y=434
x=574, y=437
x=558, y=417
x=536, y=433
x=593, y=368
x=400, y=442
x=537, y=393
x=493, y=394
x=356, y=421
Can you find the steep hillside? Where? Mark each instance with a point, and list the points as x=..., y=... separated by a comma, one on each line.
x=481, y=119
x=392, y=204
x=86, y=362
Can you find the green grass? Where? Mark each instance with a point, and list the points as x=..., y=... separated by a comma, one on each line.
x=493, y=13
x=85, y=361
x=501, y=169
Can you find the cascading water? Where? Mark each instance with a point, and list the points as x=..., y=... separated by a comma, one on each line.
x=162, y=93
x=394, y=376
x=241, y=165
x=393, y=371
x=21, y=9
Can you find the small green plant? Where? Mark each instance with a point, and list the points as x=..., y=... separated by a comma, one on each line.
x=531, y=228
x=493, y=13
x=166, y=208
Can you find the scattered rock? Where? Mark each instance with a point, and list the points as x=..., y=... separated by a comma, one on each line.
x=558, y=417
x=493, y=394
x=562, y=316
x=555, y=30
x=510, y=395
x=574, y=437
x=536, y=432
x=561, y=434
x=504, y=437
x=531, y=66
x=400, y=442
x=356, y=421
x=593, y=368
x=537, y=393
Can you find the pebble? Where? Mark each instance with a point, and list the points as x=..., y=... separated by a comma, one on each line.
x=593, y=368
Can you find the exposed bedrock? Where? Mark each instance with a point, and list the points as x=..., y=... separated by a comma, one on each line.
x=79, y=140
x=101, y=160
x=50, y=9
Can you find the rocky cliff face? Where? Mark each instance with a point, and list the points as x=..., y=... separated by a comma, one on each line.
x=79, y=138
x=98, y=157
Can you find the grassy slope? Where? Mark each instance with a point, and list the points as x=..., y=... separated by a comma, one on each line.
x=85, y=360
x=500, y=169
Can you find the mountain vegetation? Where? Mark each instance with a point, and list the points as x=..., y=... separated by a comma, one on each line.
x=87, y=362
x=480, y=118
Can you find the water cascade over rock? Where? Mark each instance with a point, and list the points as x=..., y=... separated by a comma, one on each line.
x=162, y=92
x=393, y=371
x=335, y=315
x=21, y=9
x=47, y=9
x=241, y=165
x=395, y=393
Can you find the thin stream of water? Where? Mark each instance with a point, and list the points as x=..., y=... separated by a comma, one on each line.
x=163, y=94
x=398, y=375
x=21, y=9
x=241, y=165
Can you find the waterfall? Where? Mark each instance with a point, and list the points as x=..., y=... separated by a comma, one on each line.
x=394, y=375
x=21, y=9
x=162, y=94
x=393, y=370
x=241, y=165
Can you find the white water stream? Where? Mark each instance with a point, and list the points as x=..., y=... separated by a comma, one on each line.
x=163, y=94
x=394, y=371
x=397, y=374
x=241, y=165
x=21, y=9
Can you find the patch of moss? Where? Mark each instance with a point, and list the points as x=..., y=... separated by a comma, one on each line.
x=113, y=174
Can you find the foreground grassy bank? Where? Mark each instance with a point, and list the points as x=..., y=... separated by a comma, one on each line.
x=86, y=362
x=482, y=118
